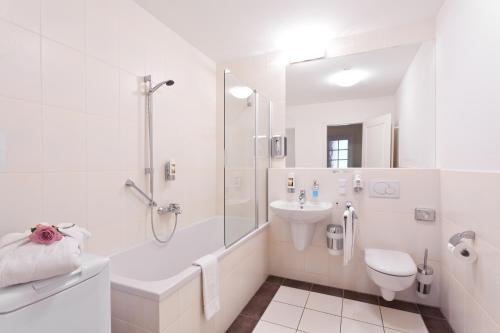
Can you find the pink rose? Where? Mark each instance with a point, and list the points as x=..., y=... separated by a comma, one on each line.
x=44, y=234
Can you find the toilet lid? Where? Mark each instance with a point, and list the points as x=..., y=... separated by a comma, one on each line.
x=390, y=262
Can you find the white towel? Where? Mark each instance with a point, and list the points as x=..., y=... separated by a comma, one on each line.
x=210, y=281
x=349, y=234
x=23, y=261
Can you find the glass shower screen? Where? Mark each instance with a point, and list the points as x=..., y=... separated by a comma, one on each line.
x=246, y=159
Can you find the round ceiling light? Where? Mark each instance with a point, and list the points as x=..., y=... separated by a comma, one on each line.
x=348, y=77
x=241, y=92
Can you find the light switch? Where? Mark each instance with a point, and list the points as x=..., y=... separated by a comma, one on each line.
x=384, y=189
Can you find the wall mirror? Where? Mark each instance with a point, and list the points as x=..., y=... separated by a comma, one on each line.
x=373, y=109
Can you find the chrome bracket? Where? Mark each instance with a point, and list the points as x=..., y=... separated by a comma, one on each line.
x=457, y=238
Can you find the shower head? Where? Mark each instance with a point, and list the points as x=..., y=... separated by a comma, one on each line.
x=167, y=83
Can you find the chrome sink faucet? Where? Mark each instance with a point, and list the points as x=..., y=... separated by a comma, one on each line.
x=302, y=197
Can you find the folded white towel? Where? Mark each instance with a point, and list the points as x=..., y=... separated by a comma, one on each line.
x=23, y=261
x=209, y=267
x=349, y=234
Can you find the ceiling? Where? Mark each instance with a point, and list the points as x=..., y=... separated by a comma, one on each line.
x=231, y=29
x=307, y=82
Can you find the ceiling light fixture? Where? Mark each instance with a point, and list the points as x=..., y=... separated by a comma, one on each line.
x=348, y=77
x=241, y=92
x=305, y=43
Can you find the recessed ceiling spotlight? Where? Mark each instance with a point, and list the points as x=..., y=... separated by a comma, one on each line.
x=348, y=77
x=240, y=92
x=307, y=42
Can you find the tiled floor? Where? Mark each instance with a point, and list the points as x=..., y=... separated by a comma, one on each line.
x=289, y=306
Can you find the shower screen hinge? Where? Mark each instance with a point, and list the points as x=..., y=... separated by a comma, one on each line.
x=148, y=171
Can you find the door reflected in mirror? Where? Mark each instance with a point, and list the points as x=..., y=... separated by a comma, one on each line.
x=373, y=109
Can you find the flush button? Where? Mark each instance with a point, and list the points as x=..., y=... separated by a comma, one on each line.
x=384, y=189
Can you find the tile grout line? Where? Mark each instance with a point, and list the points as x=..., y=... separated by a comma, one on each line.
x=309, y=290
x=380, y=311
x=341, y=312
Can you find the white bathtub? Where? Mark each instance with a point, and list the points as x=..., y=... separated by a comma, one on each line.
x=152, y=272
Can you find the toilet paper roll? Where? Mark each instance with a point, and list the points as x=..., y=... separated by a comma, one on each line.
x=463, y=252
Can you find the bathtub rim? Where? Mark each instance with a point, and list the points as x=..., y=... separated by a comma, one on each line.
x=161, y=289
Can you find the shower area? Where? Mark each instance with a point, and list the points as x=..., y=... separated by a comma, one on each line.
x=247, y=117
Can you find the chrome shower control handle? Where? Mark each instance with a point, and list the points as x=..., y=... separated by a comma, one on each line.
x=171, y=208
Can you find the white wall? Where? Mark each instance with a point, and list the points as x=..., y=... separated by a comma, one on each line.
x=72, y=118
x=468, y=77
x=416, y=109
x=311, y=121
x=470, y=293
x=383, y=223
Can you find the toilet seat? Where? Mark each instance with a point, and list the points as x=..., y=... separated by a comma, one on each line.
x=395, y=263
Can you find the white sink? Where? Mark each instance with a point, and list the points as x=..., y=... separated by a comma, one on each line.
x=302, y=218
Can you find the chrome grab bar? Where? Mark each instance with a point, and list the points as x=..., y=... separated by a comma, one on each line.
x=130, y=183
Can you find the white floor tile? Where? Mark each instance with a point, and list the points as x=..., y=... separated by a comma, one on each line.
x=325, y=303
x=390, y=330
x=403, y=321
x=292, y=296
x=283, y=314
x=319, y=322
x=265, y=327
x=354, y=326
x=361, y=311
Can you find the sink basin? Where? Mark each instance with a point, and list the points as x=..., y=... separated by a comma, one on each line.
x=302, y=218
x=309, y=212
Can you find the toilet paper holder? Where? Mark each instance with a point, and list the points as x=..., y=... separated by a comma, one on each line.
x=461, y=249
x=457, y=238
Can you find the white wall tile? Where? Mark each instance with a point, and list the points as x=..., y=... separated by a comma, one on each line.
x=84, y=76
x=63, y=71
x=64, y=140
x=64, y=198
x=379, y=220
x=21, y=203
x=104, y=193
x=64, y=21
x=133, y=26
x=471, y=288
x=102, y=88
x=25, y=13
x=101, y=29
x=132, y=145
x=132, y=96
x=103, y=144
x=20, y=65
x=20, y=136
x=134, y=214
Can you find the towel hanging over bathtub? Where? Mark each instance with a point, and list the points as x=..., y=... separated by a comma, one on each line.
x=349, y=234
x=210, y=281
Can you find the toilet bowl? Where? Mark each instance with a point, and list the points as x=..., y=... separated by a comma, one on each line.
x=392, y=271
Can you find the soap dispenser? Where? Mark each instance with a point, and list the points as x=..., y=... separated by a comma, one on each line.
x=315, y=191
x=290, y=184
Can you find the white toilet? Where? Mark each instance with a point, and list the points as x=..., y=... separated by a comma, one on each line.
x=392, y=271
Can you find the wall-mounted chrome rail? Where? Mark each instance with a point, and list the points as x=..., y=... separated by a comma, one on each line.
x=130, y=183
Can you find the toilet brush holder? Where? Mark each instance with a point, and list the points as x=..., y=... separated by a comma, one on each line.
x=335, y=239
x=425, y=275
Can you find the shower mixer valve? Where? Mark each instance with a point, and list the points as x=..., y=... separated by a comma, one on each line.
x=171, y=208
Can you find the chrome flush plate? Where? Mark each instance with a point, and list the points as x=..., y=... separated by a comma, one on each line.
x=425, y=214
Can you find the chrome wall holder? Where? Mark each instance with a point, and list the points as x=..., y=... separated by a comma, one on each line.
x=457, y=238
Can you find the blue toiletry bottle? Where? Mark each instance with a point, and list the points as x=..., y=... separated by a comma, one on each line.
x=315, y=191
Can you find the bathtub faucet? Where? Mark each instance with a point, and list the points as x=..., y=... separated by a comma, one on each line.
x=171, y=208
